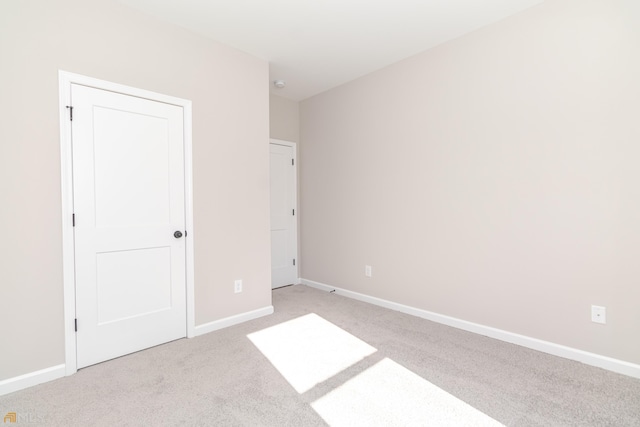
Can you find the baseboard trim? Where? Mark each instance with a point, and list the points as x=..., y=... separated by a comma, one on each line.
x=593, y=359
x=29, y=380
x=232, y=320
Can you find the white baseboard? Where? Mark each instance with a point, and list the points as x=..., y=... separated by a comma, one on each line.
x=29, y=380
x=611, y=364
x=232, y=320
x=38, y=377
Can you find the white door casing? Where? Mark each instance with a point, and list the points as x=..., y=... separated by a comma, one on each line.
x=284, y=265
x=131, y=156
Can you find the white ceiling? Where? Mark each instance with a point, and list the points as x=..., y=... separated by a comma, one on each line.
x=315, y=45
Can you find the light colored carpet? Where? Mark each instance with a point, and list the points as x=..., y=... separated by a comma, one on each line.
x=322, y=359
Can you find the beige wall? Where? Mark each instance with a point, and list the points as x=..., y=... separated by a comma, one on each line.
x=106, y=40
x=284, y=118
x=494, y=179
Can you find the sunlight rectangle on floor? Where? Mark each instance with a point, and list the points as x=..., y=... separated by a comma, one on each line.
x=388, y=394
x=309, y=350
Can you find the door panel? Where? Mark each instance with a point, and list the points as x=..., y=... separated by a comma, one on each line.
x=283, y=220
x=128, y=184
x=143, y=275
x=128, y=172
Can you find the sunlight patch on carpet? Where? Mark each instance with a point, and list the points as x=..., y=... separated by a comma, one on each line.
x=309, y=350
x=388, y=394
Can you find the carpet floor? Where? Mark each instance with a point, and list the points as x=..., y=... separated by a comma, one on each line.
x=322, y=359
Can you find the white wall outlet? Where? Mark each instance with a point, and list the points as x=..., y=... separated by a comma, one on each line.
x=237, y=286
x=367, y=270
x=598, y=314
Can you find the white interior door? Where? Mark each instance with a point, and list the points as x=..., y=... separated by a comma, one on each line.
x=283, y=216
x=129, y=200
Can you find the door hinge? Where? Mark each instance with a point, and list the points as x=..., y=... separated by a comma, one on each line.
x=76, y=324
x=73, y=219
x=70, y=112
x=293, y=212
x=292, y=162
x=294, y=261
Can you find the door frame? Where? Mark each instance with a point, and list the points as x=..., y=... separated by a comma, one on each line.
x=293, y=147
x=65, y=80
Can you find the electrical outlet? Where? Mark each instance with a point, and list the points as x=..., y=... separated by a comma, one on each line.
x=598, y=314
x=238, y=286
x=367, y=270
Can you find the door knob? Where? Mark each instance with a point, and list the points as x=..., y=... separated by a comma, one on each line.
x=177, y=234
